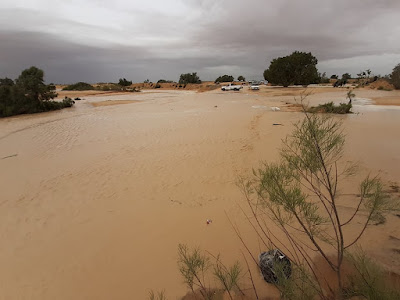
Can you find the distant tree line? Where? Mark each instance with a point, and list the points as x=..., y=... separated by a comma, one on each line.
x=29, y=94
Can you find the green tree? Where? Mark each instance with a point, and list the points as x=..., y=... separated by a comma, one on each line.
x=224, y=78
x=29, y=94
x=189, y=78
x=395, y=77
x=31, y=82
x=346, y=76
x=6, y=82
x=300, y=195
x=334, y=77
x=297, y=68
x=123, y=82
x=241, y=78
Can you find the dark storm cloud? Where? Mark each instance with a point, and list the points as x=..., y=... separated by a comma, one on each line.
x=331, y=29
x=63, y=61
x=210, y=37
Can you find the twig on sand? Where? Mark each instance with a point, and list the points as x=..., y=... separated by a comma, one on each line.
x=9, y=156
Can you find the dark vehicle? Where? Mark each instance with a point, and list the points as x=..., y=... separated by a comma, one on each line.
x=274, y=264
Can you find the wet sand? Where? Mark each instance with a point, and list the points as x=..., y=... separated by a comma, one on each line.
x=95, y=199
x=113, y=102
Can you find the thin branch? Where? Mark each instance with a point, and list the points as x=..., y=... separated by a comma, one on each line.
x=362, y=231
x=251, y=276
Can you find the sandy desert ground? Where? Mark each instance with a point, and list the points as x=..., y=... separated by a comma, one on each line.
x=95, y=199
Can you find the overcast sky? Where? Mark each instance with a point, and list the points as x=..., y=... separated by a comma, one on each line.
x=103, y=40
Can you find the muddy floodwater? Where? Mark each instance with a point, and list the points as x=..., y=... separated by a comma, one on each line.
x=96, y=198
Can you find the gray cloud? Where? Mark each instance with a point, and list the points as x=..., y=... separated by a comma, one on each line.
x=210, y=37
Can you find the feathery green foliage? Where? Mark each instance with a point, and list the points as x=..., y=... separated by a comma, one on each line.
x=300, y=194
x=228, y=277
x=193, y=266
x=368, y=281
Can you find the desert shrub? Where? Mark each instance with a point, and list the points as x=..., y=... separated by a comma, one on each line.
x=55, y=105
x=368, y=280
x=228, y=277
x=299, y=195
x=224, y=78
x=164, y=81
x=79, y=86
x=331, y=108
x=346, y=76
x=193, y=265
x=124, y=82
x=197, y=269
x=323, y=78
x=382, y=88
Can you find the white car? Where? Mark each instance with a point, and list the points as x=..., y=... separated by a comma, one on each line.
x=254, y=87
x=231, y=87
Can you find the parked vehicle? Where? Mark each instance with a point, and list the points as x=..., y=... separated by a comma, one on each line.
x=231, y=87
x=254, y=87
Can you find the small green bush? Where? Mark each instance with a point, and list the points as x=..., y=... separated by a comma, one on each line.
x=331, y=108
x=124, y=82
x=80, y=86
x=381, y=88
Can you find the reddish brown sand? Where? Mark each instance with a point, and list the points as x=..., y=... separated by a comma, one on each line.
x=95, y=199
